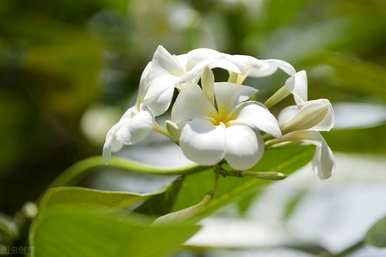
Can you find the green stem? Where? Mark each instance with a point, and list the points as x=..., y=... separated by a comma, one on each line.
x=157, y=128
x=215, y=183
x=81, y=169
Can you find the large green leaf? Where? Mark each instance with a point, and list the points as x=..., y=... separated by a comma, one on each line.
x=68, y=231
x=376, y=236
x=85, y=197
x=284, y=159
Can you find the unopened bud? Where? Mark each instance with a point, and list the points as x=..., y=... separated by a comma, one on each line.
x=269, y=175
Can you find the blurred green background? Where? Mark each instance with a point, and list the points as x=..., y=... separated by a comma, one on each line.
x=68, y=69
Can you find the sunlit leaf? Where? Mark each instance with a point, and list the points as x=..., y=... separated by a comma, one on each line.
x=85, y=197
x=68, y=231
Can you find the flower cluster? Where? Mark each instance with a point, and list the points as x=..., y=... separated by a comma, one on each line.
x=214, y=121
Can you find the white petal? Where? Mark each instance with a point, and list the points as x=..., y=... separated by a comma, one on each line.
x=166, y=61
x=243, y=147
x=131, y=128
x=202, y=142
x=192, y=76
x=251, y=66
x=228, y=95
x=257, y=116
x=223, y=63
x=323, y=162
x=328, y=121
x=191, y=103
x=287, y=114
x=144, y=83
x=297, y=85
x=135, y=128
x=202, y=57
x=284, y=66
x=162, y=72
x=315, y=115
x=111, y=143
x=182, y=59
x=160, y=94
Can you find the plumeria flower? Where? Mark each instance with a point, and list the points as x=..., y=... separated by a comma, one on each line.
x=166, y=72
x=222, y=125
x=156, y=89
x=217, y=121
x=134, y=126
x=302, y=123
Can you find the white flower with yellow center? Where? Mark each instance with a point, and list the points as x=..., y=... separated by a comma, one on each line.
x=222, y=125
x=157, y=84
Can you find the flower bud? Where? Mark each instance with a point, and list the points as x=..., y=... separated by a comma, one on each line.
x=316, y=114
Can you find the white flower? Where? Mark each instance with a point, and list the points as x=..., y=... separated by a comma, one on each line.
x=223, y=126
x=133, y=127
x=167, y=71
x=217, y=120
x=302, y=123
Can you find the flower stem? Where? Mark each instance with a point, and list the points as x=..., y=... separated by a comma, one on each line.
x=81, y=169
x=157, y=128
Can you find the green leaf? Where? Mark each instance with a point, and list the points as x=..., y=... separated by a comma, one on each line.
x=85, y=197
x=161, y=204
x=185, y=214
x=284, y=159
x=376, y=236
x=372, y=140
x=68, y=231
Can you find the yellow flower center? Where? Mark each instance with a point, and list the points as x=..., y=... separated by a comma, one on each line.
x=221, y=118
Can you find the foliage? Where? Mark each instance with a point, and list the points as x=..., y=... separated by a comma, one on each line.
x=60, y=59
